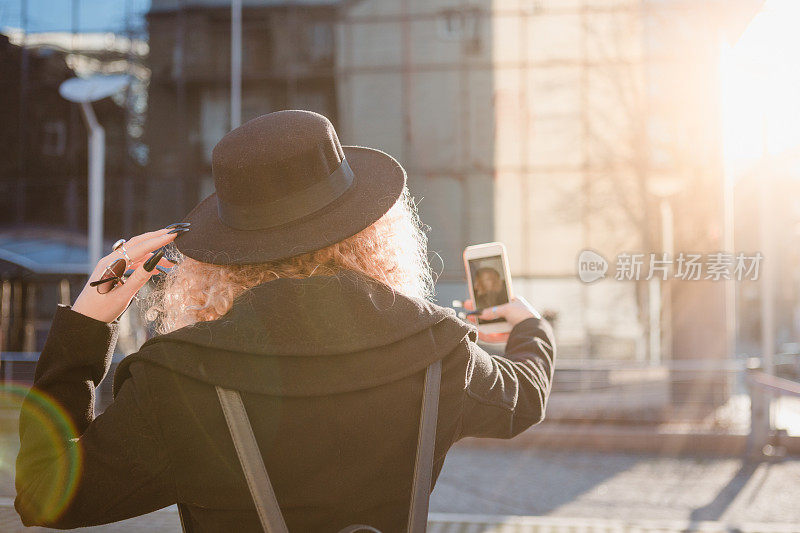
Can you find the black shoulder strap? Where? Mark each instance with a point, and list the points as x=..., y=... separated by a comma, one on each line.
x=269, y=513
x=426, y=444
x=258, y=482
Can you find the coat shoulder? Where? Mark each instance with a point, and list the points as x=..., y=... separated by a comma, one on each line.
x=138, y=365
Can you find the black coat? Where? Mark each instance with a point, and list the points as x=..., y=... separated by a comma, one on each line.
x=331, y=372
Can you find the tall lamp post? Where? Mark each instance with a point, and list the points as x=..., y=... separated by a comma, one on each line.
x=236, y=63
x=664, y=187
x=85, y=91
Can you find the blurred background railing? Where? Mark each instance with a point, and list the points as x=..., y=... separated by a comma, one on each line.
x=723, y=398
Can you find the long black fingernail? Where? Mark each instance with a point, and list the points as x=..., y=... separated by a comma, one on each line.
x=151, y=263
x=179, y=231
x=163, y=270
x=162, y=249
x=178, y=225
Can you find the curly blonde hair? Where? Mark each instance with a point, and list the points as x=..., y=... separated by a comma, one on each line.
x=393, y=250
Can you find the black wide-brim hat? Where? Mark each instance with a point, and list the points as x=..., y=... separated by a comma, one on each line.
x=285, y=186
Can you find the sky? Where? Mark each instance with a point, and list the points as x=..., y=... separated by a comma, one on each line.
x=56, y=15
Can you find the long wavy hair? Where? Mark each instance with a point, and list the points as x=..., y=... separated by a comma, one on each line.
x=393, y=250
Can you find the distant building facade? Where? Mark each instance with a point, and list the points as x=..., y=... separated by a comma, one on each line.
x=554, y=126
x=287, y=62
x=43, y=181
x=41, y=149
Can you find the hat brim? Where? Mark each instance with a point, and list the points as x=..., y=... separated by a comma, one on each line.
x=378, y=183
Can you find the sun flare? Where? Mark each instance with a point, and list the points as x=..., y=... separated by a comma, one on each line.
x=761, y=86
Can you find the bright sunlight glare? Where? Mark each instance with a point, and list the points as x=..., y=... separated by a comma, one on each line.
x=761, y=87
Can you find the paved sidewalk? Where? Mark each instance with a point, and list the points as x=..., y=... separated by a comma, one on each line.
x=163, y=521
x=617, y=486
x=614, y=492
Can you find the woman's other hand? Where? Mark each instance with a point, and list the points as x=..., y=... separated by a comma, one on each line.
x=514, y=312
x=109, y=306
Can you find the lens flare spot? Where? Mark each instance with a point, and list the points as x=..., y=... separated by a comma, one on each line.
x=42, y=419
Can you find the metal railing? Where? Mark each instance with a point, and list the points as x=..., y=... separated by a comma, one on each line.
x=720, y=396
x=708, y=394
x=764, y=438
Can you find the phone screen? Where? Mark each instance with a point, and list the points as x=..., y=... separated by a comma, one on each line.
x=488, y=283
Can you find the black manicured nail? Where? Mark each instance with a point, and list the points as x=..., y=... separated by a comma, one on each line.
x=163, y=270
x=179, y=231
x=178, y=225
x=151, y=263
x=162, y=249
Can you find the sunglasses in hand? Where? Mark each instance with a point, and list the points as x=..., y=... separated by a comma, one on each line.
x=115, y=274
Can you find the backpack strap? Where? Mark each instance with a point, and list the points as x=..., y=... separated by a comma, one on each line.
x=269, y=512
x=183, y=513
x=426, y=444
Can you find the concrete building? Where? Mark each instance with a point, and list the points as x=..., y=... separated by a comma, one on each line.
x=553, y=126
x=556, y=126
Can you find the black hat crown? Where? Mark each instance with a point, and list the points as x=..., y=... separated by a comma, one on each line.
x=277, y=168
x=285, y=186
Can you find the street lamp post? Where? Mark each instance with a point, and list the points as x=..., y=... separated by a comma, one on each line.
x=236, y=63
x=85, y=91
x=664, y=187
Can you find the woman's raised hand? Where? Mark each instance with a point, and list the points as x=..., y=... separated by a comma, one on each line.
x=514, y=312
x=109, y=306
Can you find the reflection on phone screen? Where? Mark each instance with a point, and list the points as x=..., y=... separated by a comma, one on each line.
x=488, y=283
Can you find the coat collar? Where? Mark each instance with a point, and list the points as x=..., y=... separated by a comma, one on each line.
x=318, y=335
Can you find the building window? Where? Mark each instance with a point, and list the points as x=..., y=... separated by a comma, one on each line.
x=320, y=42
x=54, y=141
x=452, y=25
x=461, y=25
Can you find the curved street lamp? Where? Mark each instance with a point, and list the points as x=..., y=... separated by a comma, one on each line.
x=85, y=91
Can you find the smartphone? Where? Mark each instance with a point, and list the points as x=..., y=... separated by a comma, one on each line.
x=489, y=281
